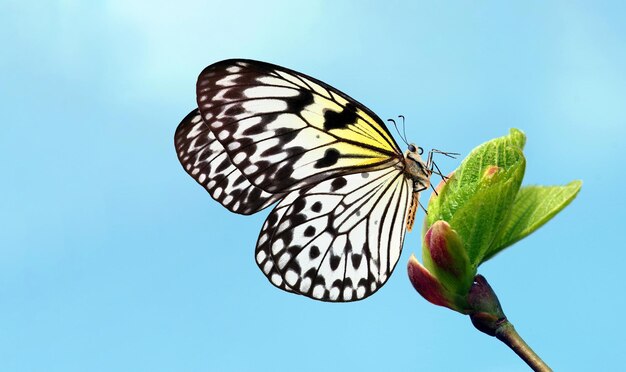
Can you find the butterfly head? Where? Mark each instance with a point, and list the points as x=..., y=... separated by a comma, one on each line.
x=417, y=169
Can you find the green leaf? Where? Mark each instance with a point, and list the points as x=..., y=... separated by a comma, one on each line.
x=503, y=152
x=477, y=200
x=480, y=220
x=533, y=207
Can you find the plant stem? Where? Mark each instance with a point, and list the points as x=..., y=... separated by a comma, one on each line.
x=507, y=334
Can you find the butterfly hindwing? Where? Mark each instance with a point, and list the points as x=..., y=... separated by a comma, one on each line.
x=204, y=158
x=340, y=239
x=284, y=130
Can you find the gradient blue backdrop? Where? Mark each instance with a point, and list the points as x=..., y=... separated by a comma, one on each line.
x=113, y=259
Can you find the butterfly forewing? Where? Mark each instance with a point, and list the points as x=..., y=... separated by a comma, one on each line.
x=284, y=130
x=340, y=239
x=204, y=158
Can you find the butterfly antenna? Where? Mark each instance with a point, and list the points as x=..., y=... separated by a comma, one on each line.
x=397, y=130
x=404, y=129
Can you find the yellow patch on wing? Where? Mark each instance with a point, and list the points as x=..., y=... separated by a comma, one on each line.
x=364, y=130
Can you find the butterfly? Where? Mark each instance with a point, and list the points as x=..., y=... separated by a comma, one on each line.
x=346, y=193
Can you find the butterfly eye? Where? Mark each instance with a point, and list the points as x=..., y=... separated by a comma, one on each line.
x=420, y=150
x=412, y=148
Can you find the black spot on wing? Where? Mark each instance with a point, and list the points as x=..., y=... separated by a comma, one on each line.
x=347, y=283
x=318, y=280
x=339, y=120
x=298, y=206
x=299, y=102
x=298, y=219
x=330, y=158
x=225, y=164
x=293, y=266
x=314, y=252
x=234, y=94
x=234, y=110
x=338, y=183
x=309, y=231
x=338, y=283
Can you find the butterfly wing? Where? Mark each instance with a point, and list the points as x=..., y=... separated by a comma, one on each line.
x=284, y=130
x=340, y=239
x=262, y=129
x=204, y=158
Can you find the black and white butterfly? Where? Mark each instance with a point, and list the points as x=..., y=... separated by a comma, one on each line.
x=347, y=194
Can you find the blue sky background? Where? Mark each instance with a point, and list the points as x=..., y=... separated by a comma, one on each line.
x=114, y=259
